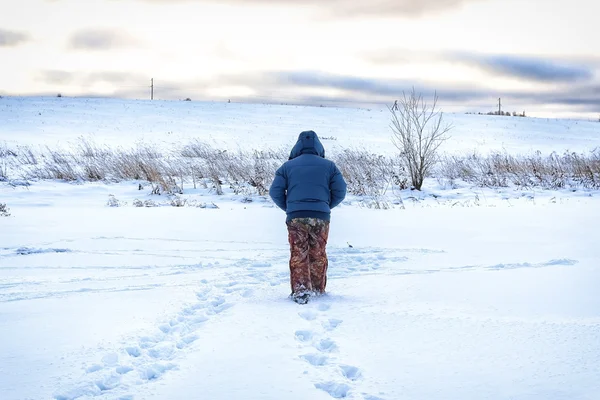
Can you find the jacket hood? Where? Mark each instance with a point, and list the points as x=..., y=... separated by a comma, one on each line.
x=308, y=143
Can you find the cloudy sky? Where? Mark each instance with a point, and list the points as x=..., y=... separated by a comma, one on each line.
x=542, y=56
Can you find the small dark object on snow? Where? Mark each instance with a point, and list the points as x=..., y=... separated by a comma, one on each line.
x=140, y=187
x=349, y=245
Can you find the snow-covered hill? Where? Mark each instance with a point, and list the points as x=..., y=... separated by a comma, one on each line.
x=55, y=121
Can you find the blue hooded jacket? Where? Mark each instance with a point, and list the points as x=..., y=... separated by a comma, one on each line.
x=308, y=185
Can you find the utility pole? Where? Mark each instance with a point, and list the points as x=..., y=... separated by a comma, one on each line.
x=152, y=89
x=499, y=107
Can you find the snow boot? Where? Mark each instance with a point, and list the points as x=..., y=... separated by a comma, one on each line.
x=300, y=298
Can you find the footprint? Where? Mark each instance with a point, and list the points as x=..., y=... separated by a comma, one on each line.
x=203, y=296
x=326, y=345
x=304, y=336
x=234, y=288
x=189, y=338
x=162, y=351
x=110, y=359
x=331, y=324
x=198, y=319
x=109, y=382
x=123, y=369
x=147, y=342
x=93, y=368
x=335, y=390
x=133, y=351
x=153, y=372
x=227, y=284
x=220, y=308
x=324, y=307
x=308, y=315
x=317, y=360
x=350, y=372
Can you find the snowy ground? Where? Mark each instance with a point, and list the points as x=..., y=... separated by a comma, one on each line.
x=190, y=303
x=59, y=121
x=469, y=294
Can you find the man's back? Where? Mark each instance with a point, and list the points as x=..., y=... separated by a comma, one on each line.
x=308, y=185
x=308, y=178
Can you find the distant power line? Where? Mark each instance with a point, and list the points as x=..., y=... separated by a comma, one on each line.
x=154, y=89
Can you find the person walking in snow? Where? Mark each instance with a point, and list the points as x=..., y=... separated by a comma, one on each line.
x=307, y=187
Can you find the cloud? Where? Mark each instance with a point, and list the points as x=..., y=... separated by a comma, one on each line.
x=310, y=87
x=539, y=69
x=528, y=68
x=82, y=79
x=100, y=39
x=370, y=87
x=352, y=8
x=585, y=96
x=56, y=77
x=398, y=55
x=295, y=86
x=112, y=77
x=12, y=38
x=393, y=8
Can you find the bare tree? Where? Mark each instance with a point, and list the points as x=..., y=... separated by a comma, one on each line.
x=418, y=132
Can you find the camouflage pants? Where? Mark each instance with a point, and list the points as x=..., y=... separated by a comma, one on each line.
x=308, y=260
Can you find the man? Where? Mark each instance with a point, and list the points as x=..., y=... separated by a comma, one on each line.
x=307, y=187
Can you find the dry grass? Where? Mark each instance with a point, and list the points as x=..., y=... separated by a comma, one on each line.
x=4, y=210
x=249, y=173
x=555, y=171
x=367, y=174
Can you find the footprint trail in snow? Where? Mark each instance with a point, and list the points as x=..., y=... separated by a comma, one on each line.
x=148, y=357
x=319, y=349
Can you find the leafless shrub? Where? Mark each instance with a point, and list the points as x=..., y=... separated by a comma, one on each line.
x=418, y=132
